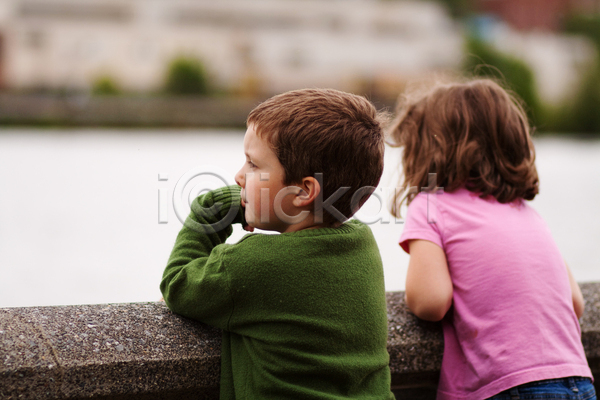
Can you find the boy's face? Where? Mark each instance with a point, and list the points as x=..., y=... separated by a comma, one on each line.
x=261, y=179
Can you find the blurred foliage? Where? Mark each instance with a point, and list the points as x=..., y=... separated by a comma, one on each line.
x=577, y=113
x=458, y=8
x=186, y=76
x=587, y=25
x=105, y=85
x=580, y=113
x=483, y=60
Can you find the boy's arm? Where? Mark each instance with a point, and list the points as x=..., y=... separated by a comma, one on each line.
x=428, y=283
x=195, y=283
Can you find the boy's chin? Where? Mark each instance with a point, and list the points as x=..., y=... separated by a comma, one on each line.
x=250, y=225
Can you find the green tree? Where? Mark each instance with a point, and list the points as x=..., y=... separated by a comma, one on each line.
x=587, y=25
x=582, y=112
x=105, y=85
x=485, y=61
x=458, y=8
x=186, y=76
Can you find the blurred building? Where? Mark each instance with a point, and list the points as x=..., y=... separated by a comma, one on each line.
x=246, y=45
x=536, y=14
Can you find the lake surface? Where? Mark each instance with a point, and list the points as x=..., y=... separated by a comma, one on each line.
x=80, y=209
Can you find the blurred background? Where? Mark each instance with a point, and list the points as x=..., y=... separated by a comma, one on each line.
x=114, y=114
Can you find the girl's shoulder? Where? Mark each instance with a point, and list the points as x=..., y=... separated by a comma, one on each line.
x=440, y=197
x=464, y=196
x=462, y=204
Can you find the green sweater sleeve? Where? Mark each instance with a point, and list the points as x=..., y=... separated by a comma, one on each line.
x=195, y=282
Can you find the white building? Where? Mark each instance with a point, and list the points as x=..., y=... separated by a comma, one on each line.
x=246, y=45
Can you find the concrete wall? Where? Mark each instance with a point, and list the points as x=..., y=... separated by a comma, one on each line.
x=143, y=352
x=82, y=110
x=134, y=111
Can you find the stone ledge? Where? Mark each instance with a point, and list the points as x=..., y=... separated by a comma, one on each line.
x=137, y=111
x=145, y=352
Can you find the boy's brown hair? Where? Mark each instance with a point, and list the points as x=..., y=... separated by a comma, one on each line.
x=328, y=132
x=472, y=134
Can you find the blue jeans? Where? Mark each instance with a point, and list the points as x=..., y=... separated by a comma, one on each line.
x=573, y=388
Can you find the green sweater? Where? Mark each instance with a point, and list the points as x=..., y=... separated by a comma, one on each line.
x=303, y=314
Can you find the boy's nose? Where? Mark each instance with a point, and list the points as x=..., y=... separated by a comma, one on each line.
x=239, y=178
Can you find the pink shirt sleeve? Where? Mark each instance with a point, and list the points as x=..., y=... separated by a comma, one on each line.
x=422, y=220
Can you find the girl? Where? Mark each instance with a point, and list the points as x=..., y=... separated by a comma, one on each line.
x=481, y=258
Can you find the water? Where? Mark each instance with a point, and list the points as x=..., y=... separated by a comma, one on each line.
x=79, y=209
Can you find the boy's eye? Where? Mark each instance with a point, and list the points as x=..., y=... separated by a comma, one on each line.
x=251, y=164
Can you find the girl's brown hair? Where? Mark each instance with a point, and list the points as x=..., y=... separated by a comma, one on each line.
x=473, y=135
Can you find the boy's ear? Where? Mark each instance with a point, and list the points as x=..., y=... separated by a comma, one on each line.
x=310, y=189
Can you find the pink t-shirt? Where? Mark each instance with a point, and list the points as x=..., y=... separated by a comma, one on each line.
x=512, y=319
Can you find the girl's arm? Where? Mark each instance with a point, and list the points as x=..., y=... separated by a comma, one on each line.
x=578, y=303
x=428, y=282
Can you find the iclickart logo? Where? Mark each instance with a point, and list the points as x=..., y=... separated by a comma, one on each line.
x=204, y=178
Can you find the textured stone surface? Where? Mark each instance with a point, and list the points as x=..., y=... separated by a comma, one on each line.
x=145, y=352
x=590, y=327
x=101, y=350
x=415, y=346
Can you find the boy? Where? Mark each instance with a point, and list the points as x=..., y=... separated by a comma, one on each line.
x=303, y=313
